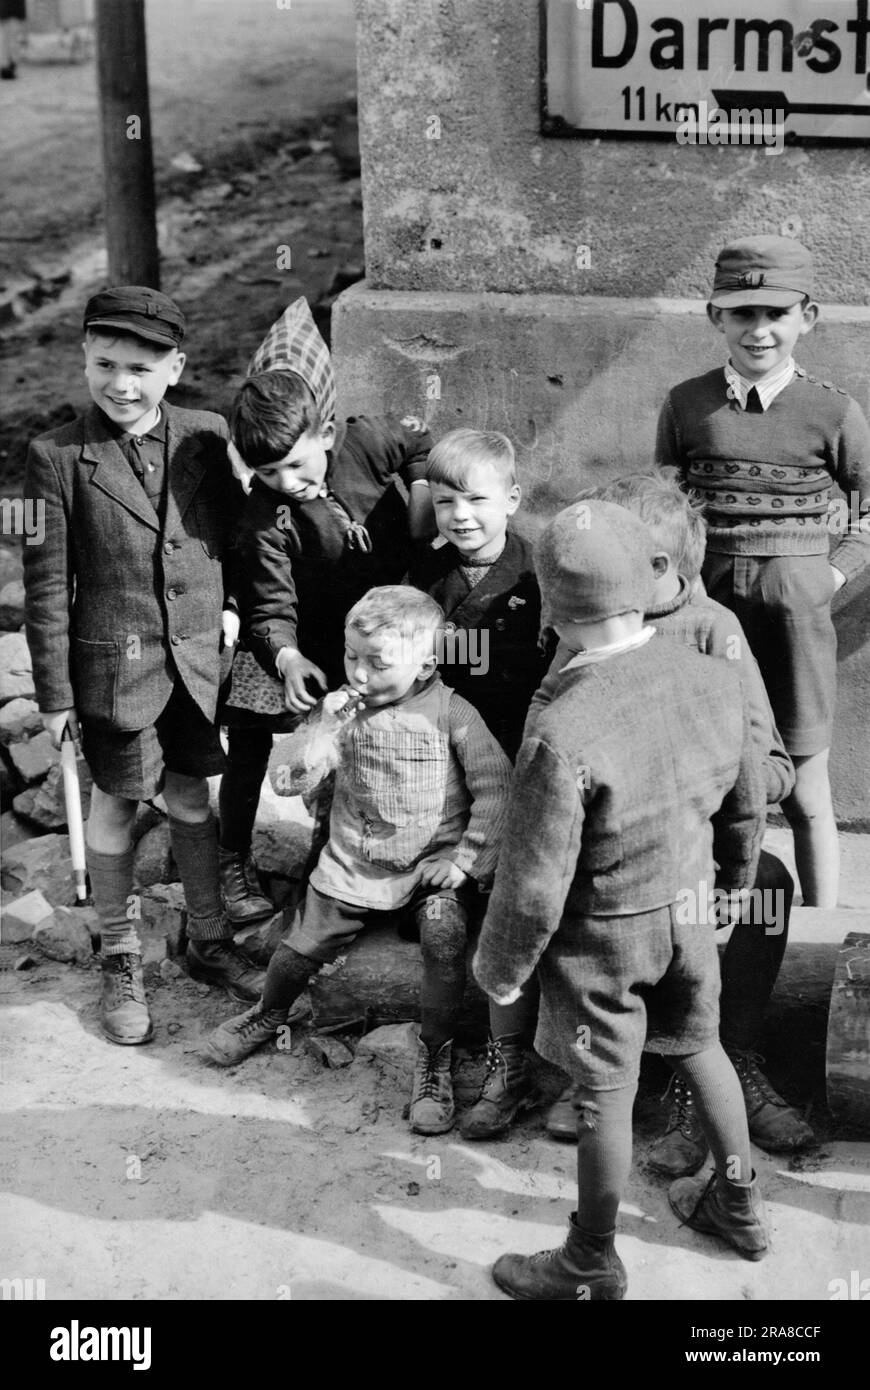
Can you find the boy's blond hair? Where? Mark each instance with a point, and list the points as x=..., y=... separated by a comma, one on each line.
x=453, y=457
x=397, y=609
x=673, y=516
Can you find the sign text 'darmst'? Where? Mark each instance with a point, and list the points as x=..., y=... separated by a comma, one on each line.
x=646, y=67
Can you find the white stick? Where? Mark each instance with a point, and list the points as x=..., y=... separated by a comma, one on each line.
x=72, y=798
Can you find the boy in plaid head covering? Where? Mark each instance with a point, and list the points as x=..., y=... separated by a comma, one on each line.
x=324, y=523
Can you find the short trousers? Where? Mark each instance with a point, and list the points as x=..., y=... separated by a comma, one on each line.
x=134, y=763
x=323, y=927
x=784, y=605
x=613, y=987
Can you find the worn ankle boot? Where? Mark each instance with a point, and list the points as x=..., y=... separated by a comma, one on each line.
x=507, y=1089
x=586, y=1269
x=561, y=1119
x=236, y=1039
x=240, y=886
x=432, y=1110
x=720, y=1208
x=224, y=963
x=124, y=1016
x=773, y=1125
x=683, y=1147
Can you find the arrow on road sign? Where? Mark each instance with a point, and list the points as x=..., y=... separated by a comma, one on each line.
x=778, y=101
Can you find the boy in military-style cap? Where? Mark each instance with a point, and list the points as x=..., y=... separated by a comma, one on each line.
x=609, y=827
x=763, y=444
x=127, y=601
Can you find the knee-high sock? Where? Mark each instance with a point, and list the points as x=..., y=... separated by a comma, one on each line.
x=721, y=1110
x=288, y=974
x=518, y=1019
x=194, y=846
x=247, y=760
x=603, y=1155
x=111, y=878
x=753, y=955
x=443, y=924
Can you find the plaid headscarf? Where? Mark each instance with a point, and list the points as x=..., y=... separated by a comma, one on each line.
x=294, y=344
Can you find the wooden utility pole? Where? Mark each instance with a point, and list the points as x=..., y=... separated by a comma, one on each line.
x=128, y=166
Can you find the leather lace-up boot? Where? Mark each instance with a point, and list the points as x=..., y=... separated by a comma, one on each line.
x=585, y=1269
x=683, y=1147
x=507, y=1089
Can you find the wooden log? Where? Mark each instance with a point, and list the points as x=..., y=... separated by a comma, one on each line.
x=847, y=1060
x=378, y=980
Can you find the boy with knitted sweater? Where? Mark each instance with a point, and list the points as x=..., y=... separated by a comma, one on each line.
x=609, y=824
x=415, y=827
x=763, y=443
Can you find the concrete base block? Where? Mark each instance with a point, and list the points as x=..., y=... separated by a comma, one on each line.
x=577, y=382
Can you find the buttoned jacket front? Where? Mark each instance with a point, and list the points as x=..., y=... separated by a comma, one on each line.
x=120, y=602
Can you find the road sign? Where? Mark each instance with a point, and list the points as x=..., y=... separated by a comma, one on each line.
x=652, y=69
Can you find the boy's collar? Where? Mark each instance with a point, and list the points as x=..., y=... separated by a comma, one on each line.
x=626, y=644
x=768, y=388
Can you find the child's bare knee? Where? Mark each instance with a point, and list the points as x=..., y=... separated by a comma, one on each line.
x=110, y=813
x=186, y=797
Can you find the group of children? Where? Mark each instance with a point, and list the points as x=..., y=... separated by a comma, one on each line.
x=575, y=742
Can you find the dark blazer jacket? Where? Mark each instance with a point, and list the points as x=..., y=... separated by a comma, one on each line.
x=118, y=603
x=504, y=612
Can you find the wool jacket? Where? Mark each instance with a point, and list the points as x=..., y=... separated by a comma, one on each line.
x=420, y=777
x=119, y=602
x=767, y=477
x=707, y=626
x=612, y=802
x=503, y=612
x=304, y=564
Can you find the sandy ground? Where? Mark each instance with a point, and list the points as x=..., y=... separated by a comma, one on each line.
x=149, y=1173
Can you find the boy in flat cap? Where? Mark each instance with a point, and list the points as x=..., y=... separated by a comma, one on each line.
x=763, y=444
x=124, y=622
x=609, y=827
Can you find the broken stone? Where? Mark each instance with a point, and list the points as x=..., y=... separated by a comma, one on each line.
x=330, y=1051
x=43, y=864
x=152, y=860
x=11, y=566
x=26, y=962
x=185, y=163
x=16, y=672
x=170, y=971
x=394, y=1043
x=12, y=605
x=66, y=935
x=260, y=939
x=147, y=816
x=281, y=848
x=19, y=719
x=163, y=908
x=22, y=917
x=45, y=805
x=13, y=830
x=8, y=787
x=33, y=757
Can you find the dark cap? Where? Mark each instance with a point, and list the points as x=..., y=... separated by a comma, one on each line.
x=773, y=270
x=136, y=309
